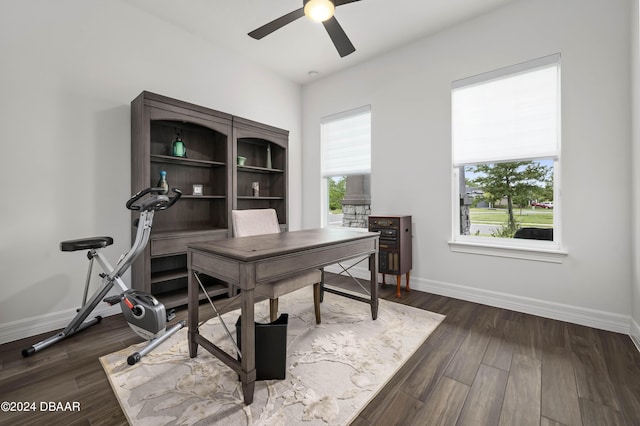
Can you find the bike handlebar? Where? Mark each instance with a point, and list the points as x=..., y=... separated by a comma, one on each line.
x=156, y=202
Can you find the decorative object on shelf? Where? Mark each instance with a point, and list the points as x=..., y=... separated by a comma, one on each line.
x=178, y=148
x=241, y=160
x=197, y=189
x=162, y=183
x=256, y=188
x=269, y=165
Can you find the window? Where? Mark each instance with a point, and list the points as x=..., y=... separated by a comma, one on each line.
x=346, y=166
x=506, y=156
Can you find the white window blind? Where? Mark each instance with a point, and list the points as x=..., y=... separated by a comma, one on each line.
x=510, y=114
x=346, y=143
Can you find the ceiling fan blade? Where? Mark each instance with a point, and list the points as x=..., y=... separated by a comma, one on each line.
x=339, y=37
x=341, y=2
x=276, y=24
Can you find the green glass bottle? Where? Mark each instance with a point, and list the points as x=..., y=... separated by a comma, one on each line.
x=178, y=148
x=162, y=183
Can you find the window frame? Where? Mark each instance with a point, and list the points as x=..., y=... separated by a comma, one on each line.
x=546, y=251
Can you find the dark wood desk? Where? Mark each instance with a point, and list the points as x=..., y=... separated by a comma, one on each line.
x=248, y=262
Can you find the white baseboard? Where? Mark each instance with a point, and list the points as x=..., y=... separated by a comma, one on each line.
x=542, y=308
x=569, y=313
x=635, y=333
x=21, y=329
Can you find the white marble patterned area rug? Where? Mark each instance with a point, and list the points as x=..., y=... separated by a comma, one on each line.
x=333, y=369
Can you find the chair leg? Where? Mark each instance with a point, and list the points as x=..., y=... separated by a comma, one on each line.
x=316, y=301
x=231, y=291
x=273, y=309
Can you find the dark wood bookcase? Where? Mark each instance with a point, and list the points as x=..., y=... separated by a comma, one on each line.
x=213, y=142
x=256, y=142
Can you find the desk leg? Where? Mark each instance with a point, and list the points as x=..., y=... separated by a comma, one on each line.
x=248, y=344
x=373, y=267
x=192, y=306
x=322, y=285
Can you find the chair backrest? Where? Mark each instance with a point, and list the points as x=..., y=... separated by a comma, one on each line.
x=254, y=222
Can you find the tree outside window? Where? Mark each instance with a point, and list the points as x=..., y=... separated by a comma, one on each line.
x=337, y=189
x=509, y=196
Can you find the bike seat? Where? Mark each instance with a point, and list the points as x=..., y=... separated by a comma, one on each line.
x=86, y=243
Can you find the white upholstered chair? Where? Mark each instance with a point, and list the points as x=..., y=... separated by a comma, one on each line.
x=265, y=221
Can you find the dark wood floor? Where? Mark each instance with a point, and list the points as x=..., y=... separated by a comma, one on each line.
x=481, y=366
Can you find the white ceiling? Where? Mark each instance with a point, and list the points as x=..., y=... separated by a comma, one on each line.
x=373, y=26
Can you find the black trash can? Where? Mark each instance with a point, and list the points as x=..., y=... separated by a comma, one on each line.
x=271, y=348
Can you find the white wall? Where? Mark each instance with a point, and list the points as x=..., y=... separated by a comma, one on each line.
x=70, y=69
x=409, y=91
x=635, y=111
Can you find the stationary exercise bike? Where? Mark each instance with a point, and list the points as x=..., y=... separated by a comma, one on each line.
x=144, y=313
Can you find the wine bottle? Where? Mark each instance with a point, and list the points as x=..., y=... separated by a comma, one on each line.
x=162, y=183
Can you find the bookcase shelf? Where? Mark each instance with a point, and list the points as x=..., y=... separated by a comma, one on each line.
x=255, y=169
x=185, y=161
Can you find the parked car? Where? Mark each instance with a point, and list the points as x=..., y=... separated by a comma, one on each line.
x=544, y=205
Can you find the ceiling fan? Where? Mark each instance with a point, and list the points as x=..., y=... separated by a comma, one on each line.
x=317, y=10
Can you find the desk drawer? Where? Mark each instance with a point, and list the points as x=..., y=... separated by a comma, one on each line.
x=275, y=268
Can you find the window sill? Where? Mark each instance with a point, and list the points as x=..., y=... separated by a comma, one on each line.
x=526, y=253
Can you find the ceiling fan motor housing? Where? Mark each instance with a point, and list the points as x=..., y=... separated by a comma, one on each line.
x=336, y=33
x=318, y=10
x=304, y=2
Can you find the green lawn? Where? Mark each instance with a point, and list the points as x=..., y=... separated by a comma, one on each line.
x=525, y=217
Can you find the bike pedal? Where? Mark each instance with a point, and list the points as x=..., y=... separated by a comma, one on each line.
x=171, y=315
x=112, y=300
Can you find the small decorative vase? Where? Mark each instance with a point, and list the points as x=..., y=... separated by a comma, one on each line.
x=162, y=183
x=269, y=165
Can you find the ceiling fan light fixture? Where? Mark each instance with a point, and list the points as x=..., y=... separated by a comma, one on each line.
x=319, y=10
